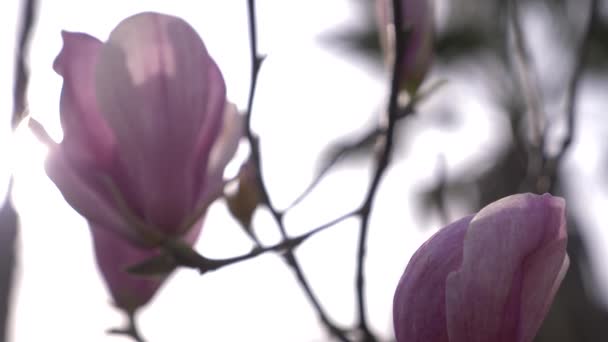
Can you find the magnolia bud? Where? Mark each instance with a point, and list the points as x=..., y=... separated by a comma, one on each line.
x=486, y=277
x=419, y=29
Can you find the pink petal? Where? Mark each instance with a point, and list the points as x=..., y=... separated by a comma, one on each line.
x=233, y=129
x=114, y=255
x=191, y=236
x=86, y=155
x=484, y=297
x=544, y=271
x=80, y=192
x=419, y=303
x=163, y=97
x=87, y=138
x=79, y=189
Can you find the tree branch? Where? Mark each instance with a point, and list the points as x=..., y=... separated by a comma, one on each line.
x=189, y=258
x=131, y=330
x=289, y=257
x=337, y=153
x=382, y=163
x=341, y=150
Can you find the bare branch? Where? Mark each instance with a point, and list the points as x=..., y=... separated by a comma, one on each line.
x=290, y=259
x=341, y=150
x=337, y=153
x=203, y=264
x=131, y=330
x=381, y=165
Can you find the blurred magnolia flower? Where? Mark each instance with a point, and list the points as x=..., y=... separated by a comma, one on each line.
x=419, y=27
x=486, y=277
x=147, y=134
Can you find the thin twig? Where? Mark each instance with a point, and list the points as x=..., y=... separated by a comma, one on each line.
x=21, y=69
x=131, y=330
x=204, y=264
x=290, y=259
x=339, y=151
x=342, y=149
x=381, y=166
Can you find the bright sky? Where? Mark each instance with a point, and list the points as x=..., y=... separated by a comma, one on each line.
x=309, y=95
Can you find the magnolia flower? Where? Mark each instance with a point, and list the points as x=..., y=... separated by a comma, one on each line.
x=147, y=133
x=489, y=277
x=418, y=23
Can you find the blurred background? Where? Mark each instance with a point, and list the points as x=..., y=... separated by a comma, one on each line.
x=323, y=85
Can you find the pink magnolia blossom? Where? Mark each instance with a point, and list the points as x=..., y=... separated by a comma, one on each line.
x=489, y=277
x=147, y=133
x=418, y=23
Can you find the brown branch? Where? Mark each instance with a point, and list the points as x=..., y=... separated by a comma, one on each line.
x=341, y=150
x=289, y=257
x=189, y=258
x=131, y=330
x=382, y=164
x=180, y=254
x=335, y=155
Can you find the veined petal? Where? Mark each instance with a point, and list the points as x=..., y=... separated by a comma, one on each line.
x=211, y=181
x=192, y=235
x=114, y=256
x=224, y=148
x=83, y=188
x=544, y=271
x=419, y=303
x=160, y=91
x=87, y=138
x=84, y=197
x=483, y=298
